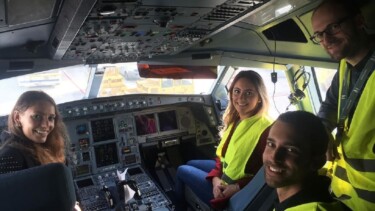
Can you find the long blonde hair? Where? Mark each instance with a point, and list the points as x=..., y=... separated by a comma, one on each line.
x=53, y=150
x=231, y=115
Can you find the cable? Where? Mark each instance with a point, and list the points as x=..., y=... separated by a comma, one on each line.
x=298, y=75
x=307, y=81
x=287, y=108
x=298, y=94
x=273, y=98
x=274, y=75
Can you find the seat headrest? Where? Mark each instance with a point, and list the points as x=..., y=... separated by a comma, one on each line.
x=46, y=187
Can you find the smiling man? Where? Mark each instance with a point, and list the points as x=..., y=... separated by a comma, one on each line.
x=349, y=106
x=294, y=153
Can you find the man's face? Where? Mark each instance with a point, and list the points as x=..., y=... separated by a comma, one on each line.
x=286, y=158
x=343, y=43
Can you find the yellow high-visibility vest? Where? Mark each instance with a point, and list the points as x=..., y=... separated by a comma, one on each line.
x=318, y=206
x=353, y=179
x=241, y=146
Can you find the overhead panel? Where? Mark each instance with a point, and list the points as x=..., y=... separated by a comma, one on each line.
x=71, y=18
x=125, y=31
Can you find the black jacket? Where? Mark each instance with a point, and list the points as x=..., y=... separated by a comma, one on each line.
x=316, y=191
x=14, y=155
x=329, y=107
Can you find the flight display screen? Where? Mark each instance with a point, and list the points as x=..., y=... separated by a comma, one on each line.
x=85, y=183
x=134, y=171
x=167, y=121
x=146, y=124
x=102, y=130
x=106, y=154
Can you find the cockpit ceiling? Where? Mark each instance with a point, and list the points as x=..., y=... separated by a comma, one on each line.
x=121, y=32
x=115, y=30
x=111, y=31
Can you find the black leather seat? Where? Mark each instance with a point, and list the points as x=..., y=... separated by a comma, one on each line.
x=47, y=187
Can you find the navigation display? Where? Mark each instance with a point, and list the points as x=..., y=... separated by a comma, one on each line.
x=167, y=121
x=85, y=183
x=102, y=130
x=106, y=154
x=146, y=124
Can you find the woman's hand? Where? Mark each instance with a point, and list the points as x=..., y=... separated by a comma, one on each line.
x=230, y=190
x=77, y=207
x=217, y=188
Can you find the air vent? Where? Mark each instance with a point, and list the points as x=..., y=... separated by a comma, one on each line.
x=224, y=12
x=285, y=31
x=193, y=33
x=201, y=56
x=248, y=2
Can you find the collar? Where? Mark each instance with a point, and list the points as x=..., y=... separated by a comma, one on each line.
x=358, y=67
x=316, y=191
x=16, y=139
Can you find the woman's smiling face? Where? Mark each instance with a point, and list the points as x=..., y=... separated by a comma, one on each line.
x=245, y=98
x=37, y=121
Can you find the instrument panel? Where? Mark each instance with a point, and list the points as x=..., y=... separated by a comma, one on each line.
x=104, y=141
x=110, y=142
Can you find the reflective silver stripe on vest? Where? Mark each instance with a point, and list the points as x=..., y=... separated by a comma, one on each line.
x=227, y=179
x=365, y=165
x=364, y=194
x=341, y=173
x=224, y=164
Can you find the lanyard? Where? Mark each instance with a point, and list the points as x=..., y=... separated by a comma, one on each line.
x=348, y=103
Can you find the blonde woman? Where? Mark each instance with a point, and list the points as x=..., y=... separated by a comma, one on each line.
x=239, y=154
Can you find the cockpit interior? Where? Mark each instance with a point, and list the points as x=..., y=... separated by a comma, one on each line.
x=142, y=84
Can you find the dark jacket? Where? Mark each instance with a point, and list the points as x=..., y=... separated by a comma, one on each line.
x=329, y=107
x=14, y=155
x=316, y=191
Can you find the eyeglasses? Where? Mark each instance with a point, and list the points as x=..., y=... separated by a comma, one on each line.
x=331, y=29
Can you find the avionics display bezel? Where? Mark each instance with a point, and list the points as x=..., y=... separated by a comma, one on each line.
x=108, y=156
x=102, y=130
x=167, y=121
x=146, y=124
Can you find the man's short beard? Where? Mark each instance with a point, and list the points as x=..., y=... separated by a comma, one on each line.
x=354, y=45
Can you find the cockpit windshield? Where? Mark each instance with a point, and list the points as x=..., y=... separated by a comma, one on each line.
x=94, y=81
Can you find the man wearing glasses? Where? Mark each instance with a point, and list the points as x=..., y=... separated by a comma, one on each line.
x=349, y=106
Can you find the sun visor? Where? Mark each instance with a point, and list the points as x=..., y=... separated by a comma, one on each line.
x=177, y=71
